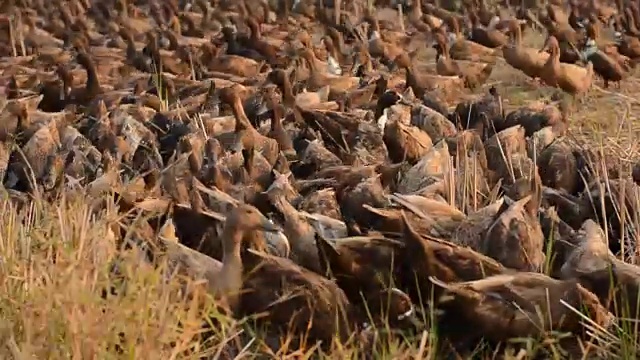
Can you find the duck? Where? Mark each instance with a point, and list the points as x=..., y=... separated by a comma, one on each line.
x=567, y=39
x=589, y=259
x=337, y=84
x=609, y=69
x=627, y=45
x=493, y=306
x=421, y=84
x=320, y=308
x=245, y=135
x=93, y=88
x=463, y=49
x=576, y=209
x=488, y=36
x=378, y=48
x=343, y=259
x=223, y=277
x=528, y=243
x=429, y=257
x=573, y=79
x=255, y=41
x=528, y=60
x=230, y=63
x=473, y=74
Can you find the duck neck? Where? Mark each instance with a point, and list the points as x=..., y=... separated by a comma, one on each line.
x=517, y=33
x=287, y=93
x=276, y=123
x=339, y=43
x=93, y=83
x=284, y=206
x=67, y=81
x=554, y=57
x=456, y=28
x=173, y=40
x=380, y=107
x=265, y=12
x=12, y=89
x=631, y=20
x=331, y=50
x=189, y=25
x=376, y=26
x=416, y=8
x=197, y=204
x=24, y=121
x=210, y=103
x=232, y=242
x=195, y=163
x=231, y=273
x=232, y=44
x=595, y=33
x=255, y=31
x=410, y=78
x=248, y=155
x=213, y=176
x=242, y=122
x=445, y=52
x=635, y=15
x=475, y=21
x=131, y=47
x=311, y=60
x=381, y=87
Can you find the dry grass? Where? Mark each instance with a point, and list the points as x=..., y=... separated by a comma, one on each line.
x=61, y=298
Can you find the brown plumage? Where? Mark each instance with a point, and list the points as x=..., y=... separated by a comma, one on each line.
x=473, y=74
x=572, y=79
x=518, y=305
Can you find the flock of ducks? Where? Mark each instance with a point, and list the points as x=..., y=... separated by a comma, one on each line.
x=318, y=173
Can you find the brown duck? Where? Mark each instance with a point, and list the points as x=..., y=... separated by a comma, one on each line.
x=473, y=74
x=573, y=79
x=507, y=306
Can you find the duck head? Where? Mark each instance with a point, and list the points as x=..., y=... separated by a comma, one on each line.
x=251, y=219
x=229, y=32
x=277, y=77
